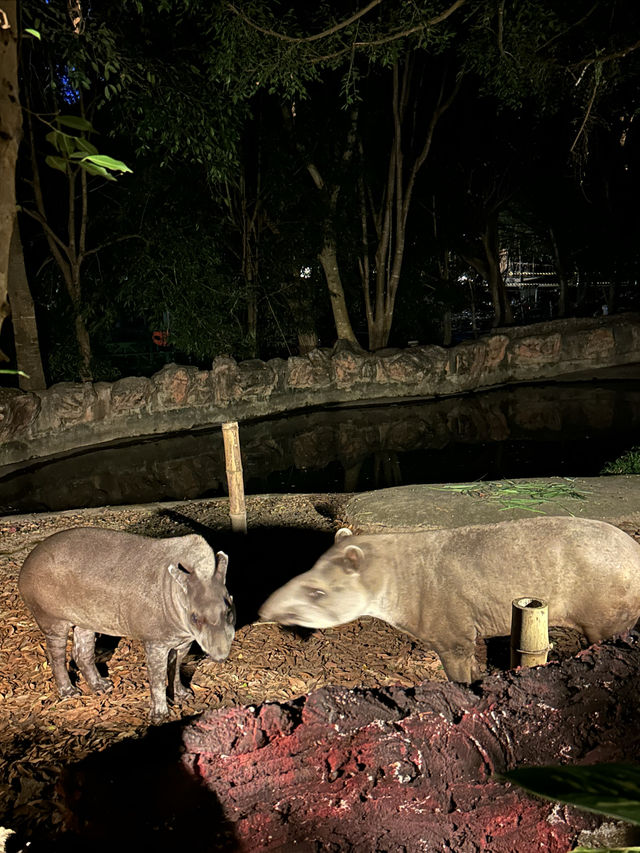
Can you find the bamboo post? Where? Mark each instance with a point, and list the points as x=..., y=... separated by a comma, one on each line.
x=529, y=632
x=235, y=481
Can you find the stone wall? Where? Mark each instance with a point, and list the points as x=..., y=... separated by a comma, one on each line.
x=72, y=415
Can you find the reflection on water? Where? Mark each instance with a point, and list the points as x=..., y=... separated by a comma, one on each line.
x=536, y=430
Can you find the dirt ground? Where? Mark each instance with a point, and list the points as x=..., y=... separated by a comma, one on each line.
x=40, y=734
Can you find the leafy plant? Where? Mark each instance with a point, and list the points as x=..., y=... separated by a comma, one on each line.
x=77, y=150
x=607, y=789
x=628, y=463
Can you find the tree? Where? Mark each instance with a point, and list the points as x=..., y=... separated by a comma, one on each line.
x=67, y=75
x=11, y=132
x=290, y=64
x=23, y=318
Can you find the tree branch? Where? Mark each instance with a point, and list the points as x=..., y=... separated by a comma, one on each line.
x=48, y=230
x=299, y=40
x=332, y=30
x=617, y=54
x=586, y=115
x=111, y=243
x=430, y=23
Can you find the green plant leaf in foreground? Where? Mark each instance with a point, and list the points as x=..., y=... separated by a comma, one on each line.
x=608, y=789
x=605, y=850
x=106, y=162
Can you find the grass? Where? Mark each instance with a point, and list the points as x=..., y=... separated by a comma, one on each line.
x=628, y=463
x=529, y=495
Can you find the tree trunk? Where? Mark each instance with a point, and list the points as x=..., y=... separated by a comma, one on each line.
x=302, y=314
x=328, y=255
x=501, y=304
x=488, y=267
x=25, y=330
x=10, y=135
x=563, y=301
x=329, y=260
x=390, y=219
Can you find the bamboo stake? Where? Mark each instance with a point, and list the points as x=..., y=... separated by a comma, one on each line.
x=235, y=481
x=529, y=632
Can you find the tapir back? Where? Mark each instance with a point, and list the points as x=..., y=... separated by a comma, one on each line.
x=113, y=582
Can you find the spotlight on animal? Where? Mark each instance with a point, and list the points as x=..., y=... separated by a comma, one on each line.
x=165, y=592
x=451, y=587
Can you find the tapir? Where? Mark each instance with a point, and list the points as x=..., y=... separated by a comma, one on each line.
x=450, y=587
x=165, y=592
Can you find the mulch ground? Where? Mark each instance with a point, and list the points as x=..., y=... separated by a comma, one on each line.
x=40, y=734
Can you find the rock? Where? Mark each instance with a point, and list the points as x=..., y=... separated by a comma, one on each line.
x=416, y=768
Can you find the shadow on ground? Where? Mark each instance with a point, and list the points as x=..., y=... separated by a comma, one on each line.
x=135, y=795
x=260, y=561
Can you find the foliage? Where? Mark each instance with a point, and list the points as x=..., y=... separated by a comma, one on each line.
x=608, y=789
x=76, y=150
x=219, y=108
x=628, y=463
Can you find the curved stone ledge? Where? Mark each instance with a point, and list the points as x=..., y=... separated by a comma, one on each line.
x=72, y=415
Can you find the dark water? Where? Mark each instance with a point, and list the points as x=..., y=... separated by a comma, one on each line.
x=559, y=429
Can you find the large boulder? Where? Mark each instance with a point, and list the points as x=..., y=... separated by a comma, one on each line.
x=415, y=769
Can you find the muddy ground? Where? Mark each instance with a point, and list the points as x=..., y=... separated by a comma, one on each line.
x=40, y=735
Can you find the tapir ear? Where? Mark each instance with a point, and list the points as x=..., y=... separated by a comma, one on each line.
x=179, y=574
x=353, y=559
x=221, y=566
x=342, y=534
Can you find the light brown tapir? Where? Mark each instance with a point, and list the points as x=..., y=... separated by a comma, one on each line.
x=450, y=587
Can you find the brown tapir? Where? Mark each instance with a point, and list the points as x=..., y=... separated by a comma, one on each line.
x=449, y=587
x=165, y=592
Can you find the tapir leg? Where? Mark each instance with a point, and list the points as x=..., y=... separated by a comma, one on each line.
x=459, y=662
x=56, y=635
x=179, y=691
x=157, y=659
x=84, y=643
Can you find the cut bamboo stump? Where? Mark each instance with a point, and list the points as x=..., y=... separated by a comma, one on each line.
x=235, y=480
x=529, y=632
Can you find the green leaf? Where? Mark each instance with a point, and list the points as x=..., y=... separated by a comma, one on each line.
x=75, y=122
x=58, y=163
x=108, y=163
x=609, y=789
x=605, y=850
x=33, y=33
x=85, y=147
x=96, y=170
x=53, y=137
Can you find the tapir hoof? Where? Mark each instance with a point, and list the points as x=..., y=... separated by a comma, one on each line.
x=102, y=685
x=70, y=690
x=181, y=692
x=158, y=717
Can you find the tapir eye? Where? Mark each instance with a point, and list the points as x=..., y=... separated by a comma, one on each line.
x=231, y=611
x=315, y=594
x=196, y=620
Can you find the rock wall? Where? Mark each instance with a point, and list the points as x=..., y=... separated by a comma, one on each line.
x=415, y=769
x=71, y=415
